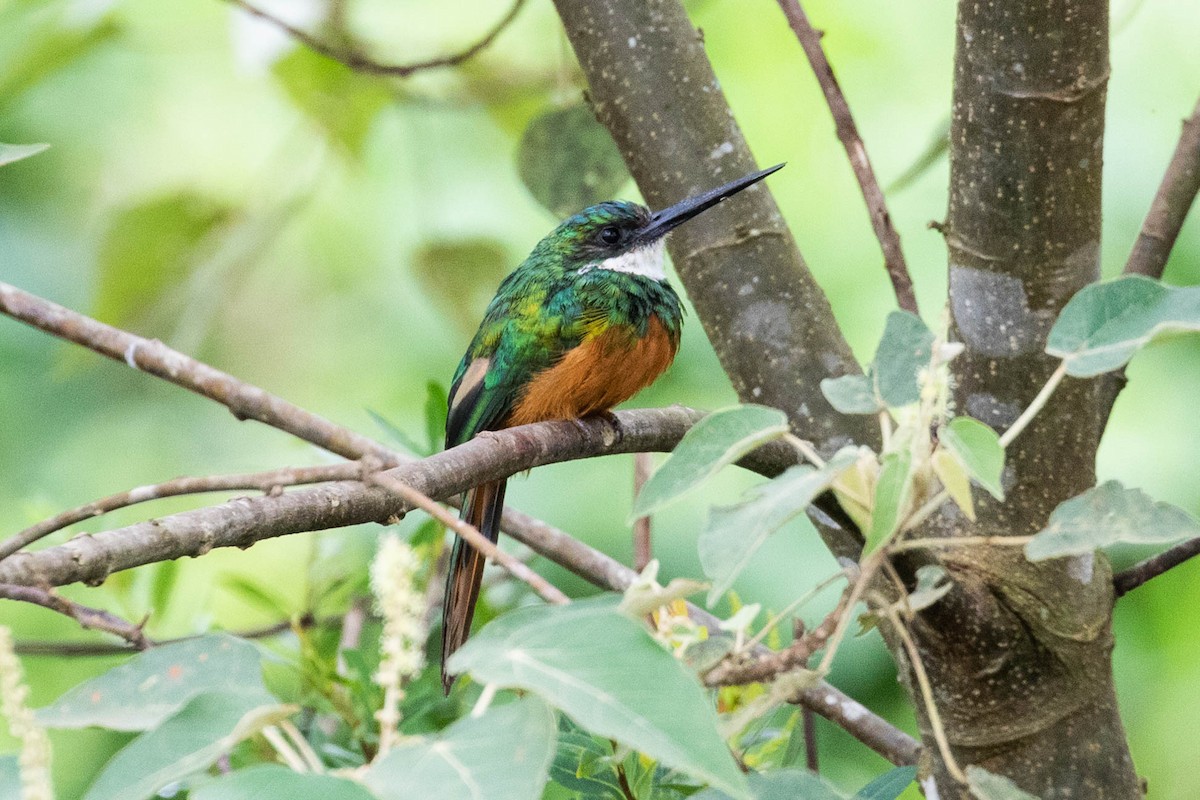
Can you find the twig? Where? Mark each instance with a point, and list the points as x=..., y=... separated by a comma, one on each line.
x=152, y=356
x=281, y=746
x=1034, y=407
x=797, y=603
x=1127, y=580
x=472, y=536
x=643, y=550
x=847, y=133
x=362, y=63
x=931, y=709
x=1170, y=208
x=948, y=542
x=867, y=568
x=266, y=482
x=91, y=618
x=809, y=720
x=764, y=668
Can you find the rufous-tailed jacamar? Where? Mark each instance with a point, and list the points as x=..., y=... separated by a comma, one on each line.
x=584, y=323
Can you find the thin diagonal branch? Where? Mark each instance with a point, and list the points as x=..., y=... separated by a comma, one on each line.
x=152, y=356
x=88, y=617
x=362, y=63
x=1129, y=579
x=856, y=151
x=1171, y=204
x=266, y=482
x=643, y=548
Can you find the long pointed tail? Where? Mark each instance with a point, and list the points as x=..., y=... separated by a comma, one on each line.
x=482, y=509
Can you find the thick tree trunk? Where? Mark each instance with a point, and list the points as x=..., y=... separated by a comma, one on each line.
x=1019, y=654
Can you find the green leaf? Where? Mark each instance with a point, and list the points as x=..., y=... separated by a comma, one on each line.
x=208, y=726
x=932, y=585
x=396, y=433
x=892, y=492
x=988, y=786
x=342, y=102
x=585, y=764
x=719, y=439
x=889, y=785
x=735, y=533
x=977, y=448
x=255, y=595
x=955, y=480
x=460, y=275
x=1104, y=324
x=275, y=780
x=782, y=784
x=580, y=658
x=48, y=49
x=852, y=394
x=1108, y=514
x=150, y=247
x=503, y=755
x=15, y=152
x=569, y=161
x=153, y=685
x=905, y=350
x=436, y=407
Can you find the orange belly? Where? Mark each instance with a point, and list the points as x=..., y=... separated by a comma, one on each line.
x=598, y=374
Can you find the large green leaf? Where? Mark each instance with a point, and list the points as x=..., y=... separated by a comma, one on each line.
x=151, y=686
x=735, y=533
x=1104, y=324
x=892, y=492
x=15, y=152
x=977, y=448
x=503, y=755
x=1108, y=514
x=208, y=726
x=583, y=658
x=905, y=349
x=342, y=102
x=988, y=786
x=889, y=785
x=719, y=439
x=569, y=161
x=782, y=784
x=585, y=764
x=275, y=780
x=150, y=247
x=852, y=394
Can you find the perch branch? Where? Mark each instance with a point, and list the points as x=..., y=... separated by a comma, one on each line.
x=266, y=482
x=362, y=63
x=90, y=618
x=856, y=151
x=1171, y=204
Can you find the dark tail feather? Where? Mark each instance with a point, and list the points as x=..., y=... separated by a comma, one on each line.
x=482, y=509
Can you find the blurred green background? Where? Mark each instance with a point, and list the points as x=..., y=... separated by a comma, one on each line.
x=333, y=238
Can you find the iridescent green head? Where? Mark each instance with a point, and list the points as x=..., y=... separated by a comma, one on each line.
x=627, y=237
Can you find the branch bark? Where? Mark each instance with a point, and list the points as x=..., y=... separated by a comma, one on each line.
x=652, y=86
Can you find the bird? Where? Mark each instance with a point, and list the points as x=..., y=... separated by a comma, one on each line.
x=583, y=324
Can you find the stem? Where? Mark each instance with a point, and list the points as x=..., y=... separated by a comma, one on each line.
x=805, y=449
x=1036, y=405
x=868, y=569
x=791, y=608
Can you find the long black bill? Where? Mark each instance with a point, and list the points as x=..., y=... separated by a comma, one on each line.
x=662, y=222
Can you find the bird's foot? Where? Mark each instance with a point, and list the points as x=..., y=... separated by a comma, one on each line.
x=614, y=432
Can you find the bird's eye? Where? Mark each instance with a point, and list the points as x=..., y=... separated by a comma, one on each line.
x=610, y=234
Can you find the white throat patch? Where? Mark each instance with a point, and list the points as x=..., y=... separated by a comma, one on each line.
x=646, y=261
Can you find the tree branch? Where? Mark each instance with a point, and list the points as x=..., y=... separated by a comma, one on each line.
x=1171, y=204
x=1128, y=580
x=266, y=482
x=856, y=151
x=86, y=616
x=361, y=63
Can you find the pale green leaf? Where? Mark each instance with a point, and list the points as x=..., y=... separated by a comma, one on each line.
x=904, y=351
x=342, y=102
x=955, y=480
x=977, y=448
x=1104, y=324
x=988, y=786
x=503, y=755
x=460, y=274
x=15, y=152
x=782, y=784
x=735, y=533
x=581, y=659
x=208, y=726
x=719, y=439
x=852, y=394
x=585, y=764
x=275, y=780
x=1108, y=514
x=933, y=583
x=892, y=493
x=889, y=785
x=151, y=686
x=569, y=161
